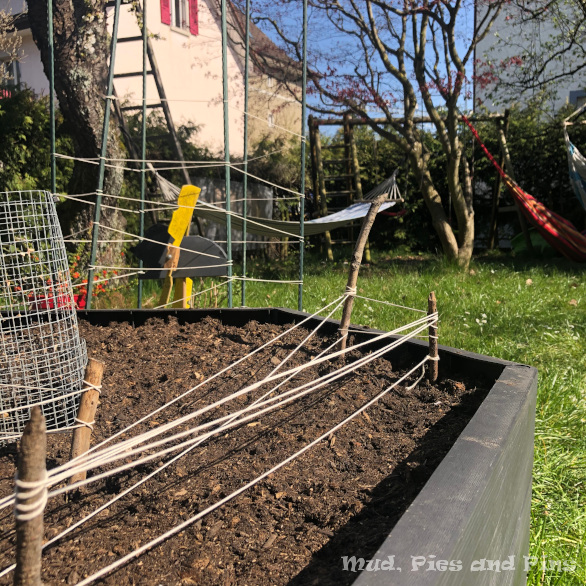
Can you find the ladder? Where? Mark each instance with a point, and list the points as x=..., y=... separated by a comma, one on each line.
x=162, y=103
x=336, y=180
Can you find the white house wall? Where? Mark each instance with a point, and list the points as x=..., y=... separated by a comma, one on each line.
x=521, y=38
x=31, y=68
x=191, y=70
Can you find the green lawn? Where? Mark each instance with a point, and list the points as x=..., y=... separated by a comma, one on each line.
x=533, y=312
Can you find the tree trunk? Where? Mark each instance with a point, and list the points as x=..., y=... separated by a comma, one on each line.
x=434, y=204
x=460, y=187
x=459, y=249
x=81, y=47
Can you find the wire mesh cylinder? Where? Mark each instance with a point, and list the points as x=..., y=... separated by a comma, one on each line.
x=42, y=357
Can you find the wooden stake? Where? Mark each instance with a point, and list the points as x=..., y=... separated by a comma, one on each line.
x=80, y=442
x=32, y=455
x=511, y=174
x=432, y=373
x=323, y=204
x=355, y=266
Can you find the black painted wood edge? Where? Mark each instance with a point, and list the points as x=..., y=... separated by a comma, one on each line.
x=476, y=505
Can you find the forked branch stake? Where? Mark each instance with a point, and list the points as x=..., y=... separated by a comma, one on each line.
x=355, y=267
x=432, y=373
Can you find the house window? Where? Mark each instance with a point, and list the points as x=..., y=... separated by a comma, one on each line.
x=182, y=14
x=270, y=81
x=271, y=120
x=165, y=12
x=578, y=98
x=179, y=15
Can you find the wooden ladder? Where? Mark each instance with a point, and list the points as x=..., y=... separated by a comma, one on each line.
x=162, y=103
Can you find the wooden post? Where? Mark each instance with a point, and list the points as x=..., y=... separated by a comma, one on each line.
x=80, y=442
x=323, y=204
x=32, y=455
x=312, y=149
x=432, y=373
x=511, y=174
x=493, y=228
x=355, y=267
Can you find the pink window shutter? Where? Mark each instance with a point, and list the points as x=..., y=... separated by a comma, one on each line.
x=165, y=12
x=193, y=17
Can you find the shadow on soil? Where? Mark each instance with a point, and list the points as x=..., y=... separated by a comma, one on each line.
x=364, y=533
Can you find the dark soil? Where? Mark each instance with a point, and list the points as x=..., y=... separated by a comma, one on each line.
x=340, y=498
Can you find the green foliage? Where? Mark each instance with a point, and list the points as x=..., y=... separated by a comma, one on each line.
x=278, y=161
x=25, y=146
x=159, y=147
x=378, y=158
x=538, y=154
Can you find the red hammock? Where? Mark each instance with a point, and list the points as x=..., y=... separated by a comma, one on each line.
x=560, y=233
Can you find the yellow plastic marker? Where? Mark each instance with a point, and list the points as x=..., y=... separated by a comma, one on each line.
x=177, y=230
x=182, y=216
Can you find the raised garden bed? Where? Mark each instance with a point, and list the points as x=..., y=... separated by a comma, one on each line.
x=442, y=470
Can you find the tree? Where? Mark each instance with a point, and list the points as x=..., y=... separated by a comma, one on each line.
x=9, y=45
x=391, y=57
x=81, y=44
x=25, y=156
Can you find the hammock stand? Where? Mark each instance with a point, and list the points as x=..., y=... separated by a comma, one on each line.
x=279, y=228
x=560, y=233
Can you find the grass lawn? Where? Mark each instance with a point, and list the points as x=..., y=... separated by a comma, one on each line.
x=532, y=312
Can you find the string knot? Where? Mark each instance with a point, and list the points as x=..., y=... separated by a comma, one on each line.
x=92, y=386
x=88, y=424
x=350, y=291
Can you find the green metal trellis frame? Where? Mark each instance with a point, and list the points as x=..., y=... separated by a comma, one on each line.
x=303, y=141
x=103, y=154
x=224, y=10
x=105, y=134
x=245, y=153
x=51, y=96
x=143, y=139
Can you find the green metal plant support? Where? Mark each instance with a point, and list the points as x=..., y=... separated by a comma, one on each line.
x=227, y=147
x=303, y=141
x=103, y=153
x=143, y=138
x=52, y=95
x=245, y=155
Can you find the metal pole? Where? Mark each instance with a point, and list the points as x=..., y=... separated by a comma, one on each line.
x=227, y=147
x=103, y=153
x=303, y=140
x=245, y=166
x=52, y=95
x=143, y=137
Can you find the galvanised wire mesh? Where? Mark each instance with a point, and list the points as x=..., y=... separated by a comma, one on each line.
x=42, y=357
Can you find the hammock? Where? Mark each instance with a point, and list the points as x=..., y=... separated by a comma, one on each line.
x=577, y=164
x=576, y=161
x=557, y=231
x=279, y=228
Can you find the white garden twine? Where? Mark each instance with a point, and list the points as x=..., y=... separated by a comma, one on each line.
x=113, y=453
x=26, y=490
